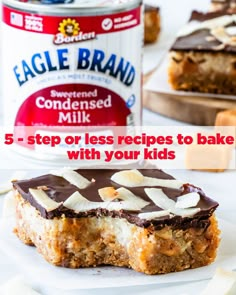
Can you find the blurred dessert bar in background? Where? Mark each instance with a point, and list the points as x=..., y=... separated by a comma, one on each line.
x=203, y=57
x=152, y=24
x=229, y=5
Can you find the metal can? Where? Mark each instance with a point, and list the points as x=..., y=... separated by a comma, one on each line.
x=76, y=64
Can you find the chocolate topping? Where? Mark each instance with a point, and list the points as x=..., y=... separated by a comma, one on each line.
x=59, y=189
x=199, y=40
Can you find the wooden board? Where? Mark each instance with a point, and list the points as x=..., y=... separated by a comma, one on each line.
x=193, y=110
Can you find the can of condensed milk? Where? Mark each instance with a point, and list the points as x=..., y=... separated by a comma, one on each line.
x=76, y=64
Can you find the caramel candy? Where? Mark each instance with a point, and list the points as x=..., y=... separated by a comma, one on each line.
x=226, y=118
x=208, y=157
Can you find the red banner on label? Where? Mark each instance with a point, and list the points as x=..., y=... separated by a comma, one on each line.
x=69, y=27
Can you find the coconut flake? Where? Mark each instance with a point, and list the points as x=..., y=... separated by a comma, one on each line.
x=126, y=195
x=79, y=203
x=165, y=203
x=5, y=188
x=189, y=28
x=160, y=198
x=188, y=200
x=231, y=30
x=43, y=199
x=170, y=183
x=108, y=193
x=211, y=24
x=129, y=178
x=222, y=283
x=153, y=215
x=123, y=205
x=221, y=35
x=133, y=178
x=73, y=177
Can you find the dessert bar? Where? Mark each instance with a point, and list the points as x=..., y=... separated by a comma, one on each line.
x=229, y=5
x=152, y=24
x=142, y=219
x=203, y=57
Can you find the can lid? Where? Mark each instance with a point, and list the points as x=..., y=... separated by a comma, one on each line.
x=75, y=7
x=99, y=3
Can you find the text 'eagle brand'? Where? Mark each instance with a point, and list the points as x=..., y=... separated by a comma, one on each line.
x=95, y=60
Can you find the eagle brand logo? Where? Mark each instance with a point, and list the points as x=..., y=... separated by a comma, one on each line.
x=70, y=32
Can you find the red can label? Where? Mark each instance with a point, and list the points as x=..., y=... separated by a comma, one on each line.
x=72, y=71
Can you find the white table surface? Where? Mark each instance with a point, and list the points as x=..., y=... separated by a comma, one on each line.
x=218, y=185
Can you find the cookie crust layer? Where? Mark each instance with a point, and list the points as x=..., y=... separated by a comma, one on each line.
x=92, y=241
x=203, y=72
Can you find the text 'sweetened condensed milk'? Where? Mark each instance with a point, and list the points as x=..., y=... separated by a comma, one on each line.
x=75, y=64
